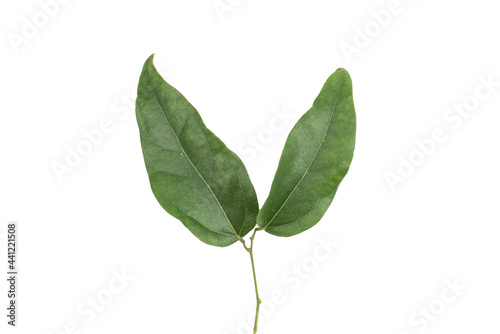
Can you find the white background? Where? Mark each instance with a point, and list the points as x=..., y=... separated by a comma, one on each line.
x=398, y=246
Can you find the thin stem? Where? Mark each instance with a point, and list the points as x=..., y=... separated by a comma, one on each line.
x=250, y=251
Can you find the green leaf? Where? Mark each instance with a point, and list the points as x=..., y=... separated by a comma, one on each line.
x=193, y=175
x=316, y=157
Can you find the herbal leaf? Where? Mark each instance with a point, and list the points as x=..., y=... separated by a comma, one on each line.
x=193, y=175
x=316, y=157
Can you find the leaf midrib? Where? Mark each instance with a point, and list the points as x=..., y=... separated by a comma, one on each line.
x=187, y=157
x=314, y=157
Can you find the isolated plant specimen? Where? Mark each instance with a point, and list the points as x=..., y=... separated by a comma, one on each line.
x=199, y=181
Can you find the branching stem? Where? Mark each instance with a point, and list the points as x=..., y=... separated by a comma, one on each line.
x=250, y=251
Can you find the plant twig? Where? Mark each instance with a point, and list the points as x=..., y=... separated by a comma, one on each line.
x=250, y=251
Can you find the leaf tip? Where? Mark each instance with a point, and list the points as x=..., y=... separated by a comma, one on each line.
x=342, y=70
x=150, y=59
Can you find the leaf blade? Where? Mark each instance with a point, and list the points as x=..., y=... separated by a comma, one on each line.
x=193, y=175
x=316, y=157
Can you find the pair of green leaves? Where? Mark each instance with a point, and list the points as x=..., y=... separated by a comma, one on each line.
x=201, y=182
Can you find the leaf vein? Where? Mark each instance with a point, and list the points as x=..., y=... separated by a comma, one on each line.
x=187, y=157
x=314, y=157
